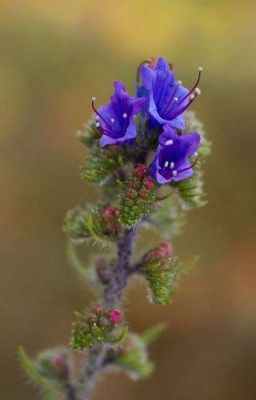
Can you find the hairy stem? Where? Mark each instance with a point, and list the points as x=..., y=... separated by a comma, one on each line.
x=96, y=357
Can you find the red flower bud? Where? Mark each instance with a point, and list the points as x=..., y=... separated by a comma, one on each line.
x=149, y=183
x=115, y=316
x=140, y=170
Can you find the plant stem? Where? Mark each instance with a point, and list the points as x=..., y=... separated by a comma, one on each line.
x=96, y=356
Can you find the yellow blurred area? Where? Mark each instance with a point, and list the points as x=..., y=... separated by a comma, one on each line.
x=55, y=55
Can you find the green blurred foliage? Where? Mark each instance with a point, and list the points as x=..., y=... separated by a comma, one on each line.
x=55, y=55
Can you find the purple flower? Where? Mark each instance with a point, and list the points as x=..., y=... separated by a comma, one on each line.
x=116, y=120
x=167, y=98
x=171, y=163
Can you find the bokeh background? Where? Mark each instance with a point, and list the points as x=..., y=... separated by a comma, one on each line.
x=55, y=55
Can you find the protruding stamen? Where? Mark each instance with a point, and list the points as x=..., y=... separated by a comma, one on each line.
x=112, y=120
x=179, y=82
x=191, y=166
x=176, y=98
x=200, y=69
x=172, y=164
x=166, y=164
x=125, y=115
x=97, y=124
x=192, y=96
x=198, y=91
x=169, y=142
x=181, y=110
x=98, y=114
x=174, y=172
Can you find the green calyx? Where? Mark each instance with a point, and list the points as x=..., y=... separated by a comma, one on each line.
x=103, y=162
x=89, y=135
x=159, y=268
x=93, y=222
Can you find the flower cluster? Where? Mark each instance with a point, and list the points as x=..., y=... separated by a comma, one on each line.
x=98, y=325
x=161, y=102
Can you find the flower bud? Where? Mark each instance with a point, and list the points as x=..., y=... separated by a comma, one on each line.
x=137, y=198
x=115, y=316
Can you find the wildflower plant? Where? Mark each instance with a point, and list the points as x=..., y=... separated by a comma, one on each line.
x=146, y=155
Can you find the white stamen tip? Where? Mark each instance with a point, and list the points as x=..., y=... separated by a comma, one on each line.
x=169, y=142
x=124, y=115
x=172, y=165
x=192, y=96
x=200, y=69
x=174, y=172
x=196, y=154
x=93, y=98
x=198, y=91
x=179, y=82
x=176, y=98
x=166, y=164
x=112, y=120
x=97, y=124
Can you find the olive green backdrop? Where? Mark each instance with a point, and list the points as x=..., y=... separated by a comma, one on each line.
x=54, y=56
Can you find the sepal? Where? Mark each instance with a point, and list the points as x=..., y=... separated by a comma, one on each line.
x=194, y=125
x=190, y=191
x=103, y=162
x=137, y=197
x=96, y=222
x=98, y=325
x=89, y=135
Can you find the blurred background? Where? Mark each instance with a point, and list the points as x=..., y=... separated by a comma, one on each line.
x=55, y=55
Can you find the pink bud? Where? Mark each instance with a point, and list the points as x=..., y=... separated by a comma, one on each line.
x=115, y=316
x=96, y=309
x=140, y=170
x=162, y=251
x=149, y=184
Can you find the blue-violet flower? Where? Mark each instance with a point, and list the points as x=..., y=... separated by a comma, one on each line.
x=171, y=162
x=167, y=98
x=116, y=119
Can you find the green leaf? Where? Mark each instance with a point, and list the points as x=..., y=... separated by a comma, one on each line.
x=118, y=339
x=151, y=334
x=134, y=358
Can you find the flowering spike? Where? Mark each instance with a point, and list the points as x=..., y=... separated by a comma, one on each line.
x=146, y=153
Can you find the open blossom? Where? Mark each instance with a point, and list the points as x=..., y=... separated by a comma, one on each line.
x=167, y=98
x=116, y=119
x=171, y=162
